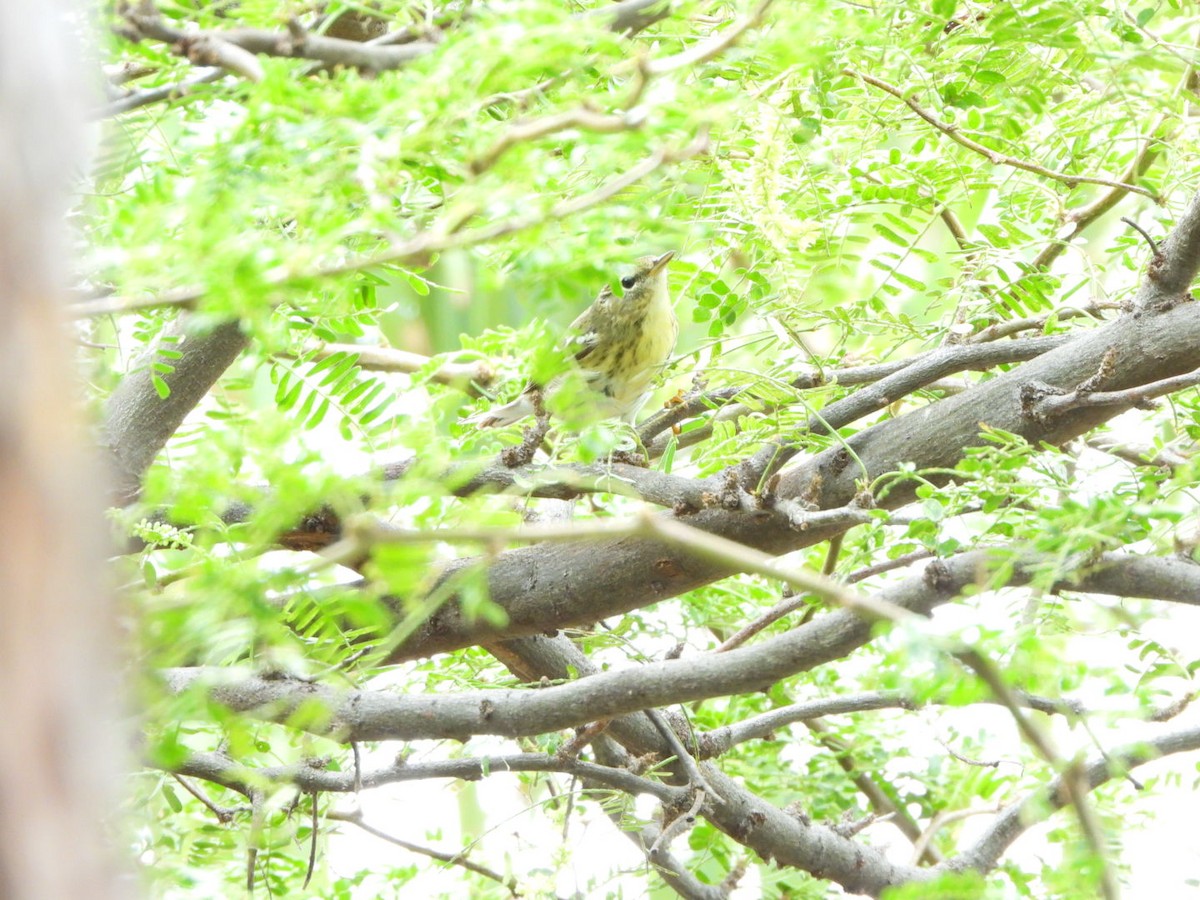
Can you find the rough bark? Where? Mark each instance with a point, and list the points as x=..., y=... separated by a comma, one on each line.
x=554, y=586
x=378, y=716
x=138, y=422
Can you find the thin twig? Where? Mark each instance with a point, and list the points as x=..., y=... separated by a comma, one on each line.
x=312, y=847
x=417, y=250
x=221, y=770
x=850, y=828
x=1142, y=231
x=440, y=239
x=1015, y=326
x=124, y=72
x=257, y=818
x=521, y=98
x=182, y=298
x=582, y=118
x=1001, y=159
x=451, y=859
x=952, y=222
x=1159, y=458
x=888, y=565
x=695, y=776
x=774, y=614
x=224, y=814
x=1081, y=219
x=678, y=826
x=137, y=99
x=748, y=559
x=373, y=358
x=670, y=869
x=572, y=748
x=720, y=740
x=940, y=820
x=1072, y=775
x=968, y=761
x=1170, y=710
x=716, y=45
x=881, y=801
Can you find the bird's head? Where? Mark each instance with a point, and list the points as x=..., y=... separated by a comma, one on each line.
x=647, y=277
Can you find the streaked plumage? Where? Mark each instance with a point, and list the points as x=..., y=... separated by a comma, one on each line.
x=621, y=342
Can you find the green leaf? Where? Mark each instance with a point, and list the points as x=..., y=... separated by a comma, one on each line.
x=172, y=798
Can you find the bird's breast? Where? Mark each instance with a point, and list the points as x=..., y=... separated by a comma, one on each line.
x=627, y=359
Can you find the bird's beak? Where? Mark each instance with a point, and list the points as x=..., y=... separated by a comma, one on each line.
x=659, y=263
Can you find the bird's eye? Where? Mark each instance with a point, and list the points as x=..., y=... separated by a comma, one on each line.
x=628, y=281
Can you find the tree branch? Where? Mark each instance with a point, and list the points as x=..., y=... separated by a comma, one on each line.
x=589, y=584
x=713, y=47
x=673, y=873
x=889, y=386
x=582, y=118
x=418, y=249
x=793, y=841
x=1053, y=404
x=631, y=16
x=1158, y=137
x=1074, y=788
x=569, y=481
x=315, y=778
x=1172, y=272
x=907, y=375
x=373, y=358
x=1015, y=326
x=138, y=422
x=1142, y=455
x=996, y=158
x=721, y=740
x=146, y=22
x=451, y=859
x=1038, y=806
x=137, y=99
x=368, y=715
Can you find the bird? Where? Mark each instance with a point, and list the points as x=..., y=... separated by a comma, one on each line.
x=619, y=343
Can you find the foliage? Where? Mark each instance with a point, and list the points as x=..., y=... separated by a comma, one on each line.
x=820, y=224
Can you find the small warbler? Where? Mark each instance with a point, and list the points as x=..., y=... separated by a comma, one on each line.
x=620, y=344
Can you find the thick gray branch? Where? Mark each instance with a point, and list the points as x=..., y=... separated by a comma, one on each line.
x=1171, y=272
x=138, y=422
x=570, y=584
x=890, y=382
x=792, y=841
x=222, y=770
x=568, y=481
x=744, y=816
x=371, y=715
x=772, y=833
x=296, y=43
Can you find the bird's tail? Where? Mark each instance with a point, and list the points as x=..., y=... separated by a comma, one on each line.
x=500, y=416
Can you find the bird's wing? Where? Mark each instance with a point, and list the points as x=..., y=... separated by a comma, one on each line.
x=584, y=333
x=582, y=344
